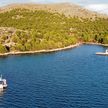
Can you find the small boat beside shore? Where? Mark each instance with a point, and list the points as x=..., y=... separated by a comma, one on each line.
x=3, y=83
x=103, y=53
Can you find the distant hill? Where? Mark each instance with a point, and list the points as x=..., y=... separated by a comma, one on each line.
x=62, y=8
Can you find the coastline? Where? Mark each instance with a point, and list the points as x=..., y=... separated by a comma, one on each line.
x=92, y=43
x=40, y=51
x=51, y=50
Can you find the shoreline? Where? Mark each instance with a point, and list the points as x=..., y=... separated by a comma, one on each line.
x=40, y=51
x=92, y=43
x=51, y=50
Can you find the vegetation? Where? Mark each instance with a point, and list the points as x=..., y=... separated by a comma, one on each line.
x=3, y=49
x=26, y=30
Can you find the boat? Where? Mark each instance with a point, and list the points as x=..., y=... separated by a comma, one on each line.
x=103, y=53
x=3, y=83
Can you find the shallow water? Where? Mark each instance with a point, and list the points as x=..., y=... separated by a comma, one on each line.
x=75, y=78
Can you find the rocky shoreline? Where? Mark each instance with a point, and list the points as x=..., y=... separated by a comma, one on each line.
x=40, y=51
x=50, y=50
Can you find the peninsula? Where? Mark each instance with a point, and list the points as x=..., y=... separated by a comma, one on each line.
x=34, y=28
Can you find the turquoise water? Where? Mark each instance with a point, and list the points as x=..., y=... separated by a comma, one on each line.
x=75, y=78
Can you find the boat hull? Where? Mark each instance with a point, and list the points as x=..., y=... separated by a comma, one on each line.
x=101, y=53
x=5, y=86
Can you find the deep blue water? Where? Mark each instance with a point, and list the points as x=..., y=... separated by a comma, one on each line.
x=75, y=78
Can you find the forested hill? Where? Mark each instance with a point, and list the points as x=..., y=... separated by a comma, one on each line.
x=28, y=30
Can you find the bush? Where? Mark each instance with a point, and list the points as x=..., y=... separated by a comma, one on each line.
x=3, y=49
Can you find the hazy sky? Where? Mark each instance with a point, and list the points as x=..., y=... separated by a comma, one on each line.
x=97, y=5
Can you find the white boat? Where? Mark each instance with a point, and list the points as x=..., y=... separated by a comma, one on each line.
x=103, y=53
x=3, y=83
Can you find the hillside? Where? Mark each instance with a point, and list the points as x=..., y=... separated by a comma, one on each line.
x=62, y=8
x=23, y=29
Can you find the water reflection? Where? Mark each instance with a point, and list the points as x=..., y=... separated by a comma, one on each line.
x=2, y=92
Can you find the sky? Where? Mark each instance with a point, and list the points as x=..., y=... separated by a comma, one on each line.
x=94, y=5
